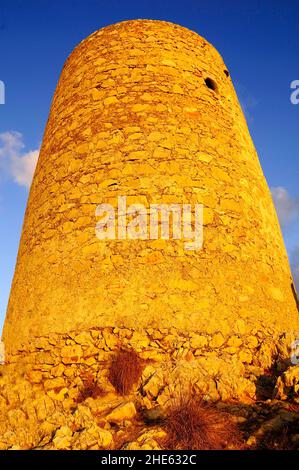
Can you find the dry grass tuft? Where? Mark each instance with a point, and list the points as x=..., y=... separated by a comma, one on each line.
x=125, y=371
x=90, y=389
x=192, y=424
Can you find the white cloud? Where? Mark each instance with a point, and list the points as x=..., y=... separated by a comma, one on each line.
x=23, y=168
x=295, y=266
x=14, y=161
x=296, y=278
x=287, y=207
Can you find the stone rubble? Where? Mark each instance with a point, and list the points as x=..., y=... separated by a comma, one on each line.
x=40, y=390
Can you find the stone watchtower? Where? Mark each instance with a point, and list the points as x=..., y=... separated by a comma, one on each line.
x=147, y=110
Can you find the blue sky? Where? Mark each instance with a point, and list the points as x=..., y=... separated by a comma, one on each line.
x=259, y=41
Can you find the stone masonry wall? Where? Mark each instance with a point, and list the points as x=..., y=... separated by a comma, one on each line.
x=40, y=385
x=133, y=115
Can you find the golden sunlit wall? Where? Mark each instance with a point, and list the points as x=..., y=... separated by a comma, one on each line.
x=147, y=109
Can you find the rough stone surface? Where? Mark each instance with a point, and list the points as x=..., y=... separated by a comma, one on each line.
x=40, y=404
x=125, y=411
x=287, y=385
x=132, y=115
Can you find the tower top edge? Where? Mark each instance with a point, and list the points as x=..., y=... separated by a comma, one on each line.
x=148, y=24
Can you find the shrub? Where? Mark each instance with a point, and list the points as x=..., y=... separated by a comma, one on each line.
x=90, y=389
x=125, y=371
x=192, y=424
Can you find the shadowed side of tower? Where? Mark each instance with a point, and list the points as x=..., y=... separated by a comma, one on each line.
x=147, y=110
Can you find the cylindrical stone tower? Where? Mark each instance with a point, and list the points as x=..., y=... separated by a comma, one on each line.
x=147, y=110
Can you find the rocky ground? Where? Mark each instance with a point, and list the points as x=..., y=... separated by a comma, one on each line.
x=75, y=399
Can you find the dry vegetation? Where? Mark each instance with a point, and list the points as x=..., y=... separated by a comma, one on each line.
x=192, y=424
x=90, y=388
x=125, y=371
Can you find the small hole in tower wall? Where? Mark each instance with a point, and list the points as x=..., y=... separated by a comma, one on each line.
x=211, y=84
x=226, y=72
